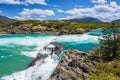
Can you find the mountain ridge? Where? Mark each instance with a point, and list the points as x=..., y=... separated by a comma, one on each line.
x=85, y=19
x=6, y=20
x=118, y=21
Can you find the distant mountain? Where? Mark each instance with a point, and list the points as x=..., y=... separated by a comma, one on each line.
x=86, y=20
x=6, y=20
x=118, y=21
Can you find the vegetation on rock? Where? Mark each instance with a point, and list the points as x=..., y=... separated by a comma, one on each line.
x=109, y=55
x=53, y=26
x=72, y=26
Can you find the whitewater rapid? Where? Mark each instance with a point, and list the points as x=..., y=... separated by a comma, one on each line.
x=44, y=70
x=40, y=71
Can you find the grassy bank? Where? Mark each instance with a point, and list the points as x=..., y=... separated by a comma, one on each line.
x=106, y=71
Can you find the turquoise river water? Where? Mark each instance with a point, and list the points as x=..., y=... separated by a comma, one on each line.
x=17, y=51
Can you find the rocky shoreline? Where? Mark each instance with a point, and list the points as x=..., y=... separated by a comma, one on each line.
x=74, y=66
x=45, y=32
x=3, y=33
x=41, y=32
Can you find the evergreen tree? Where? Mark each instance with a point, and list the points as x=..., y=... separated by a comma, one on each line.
x=110, y=43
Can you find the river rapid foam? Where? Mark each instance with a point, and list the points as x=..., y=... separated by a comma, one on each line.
x=43, y=70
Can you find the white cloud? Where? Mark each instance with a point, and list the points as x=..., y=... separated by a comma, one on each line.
x=10, y=1
x=36, y=2
x=55, y=6
x=23, y=2
x=78, y=6
x=60, y=10
x=113, y=4
x=34, y=14
x=105, y=12
x=99, y=1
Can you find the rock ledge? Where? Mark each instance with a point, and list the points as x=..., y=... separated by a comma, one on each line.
x=74, y=66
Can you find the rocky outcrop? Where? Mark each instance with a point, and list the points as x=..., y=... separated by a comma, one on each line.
x=53, y=48
x=74, y=66
x=61, y=33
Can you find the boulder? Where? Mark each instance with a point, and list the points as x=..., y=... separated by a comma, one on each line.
x=61, y=33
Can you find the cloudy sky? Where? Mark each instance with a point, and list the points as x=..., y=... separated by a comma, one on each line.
x=105, y=10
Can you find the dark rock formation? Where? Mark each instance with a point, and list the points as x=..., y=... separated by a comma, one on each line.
x=73, y=66
x=55, y=48
x=61, y=33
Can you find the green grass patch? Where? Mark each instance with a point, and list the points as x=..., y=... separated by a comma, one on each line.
x=106, y=71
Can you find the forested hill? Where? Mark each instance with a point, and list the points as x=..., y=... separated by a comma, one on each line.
x=12, y=26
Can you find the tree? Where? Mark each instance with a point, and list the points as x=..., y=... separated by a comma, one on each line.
x=110, y=43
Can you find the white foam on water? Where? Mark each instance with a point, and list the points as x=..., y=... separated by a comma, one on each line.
x=46, y=52
x=28, y=40
x=81, y=38
x=84, y=38
x=41, y=71
x=41, y=43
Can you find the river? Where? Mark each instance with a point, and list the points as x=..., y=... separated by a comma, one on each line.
x=17, y=51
